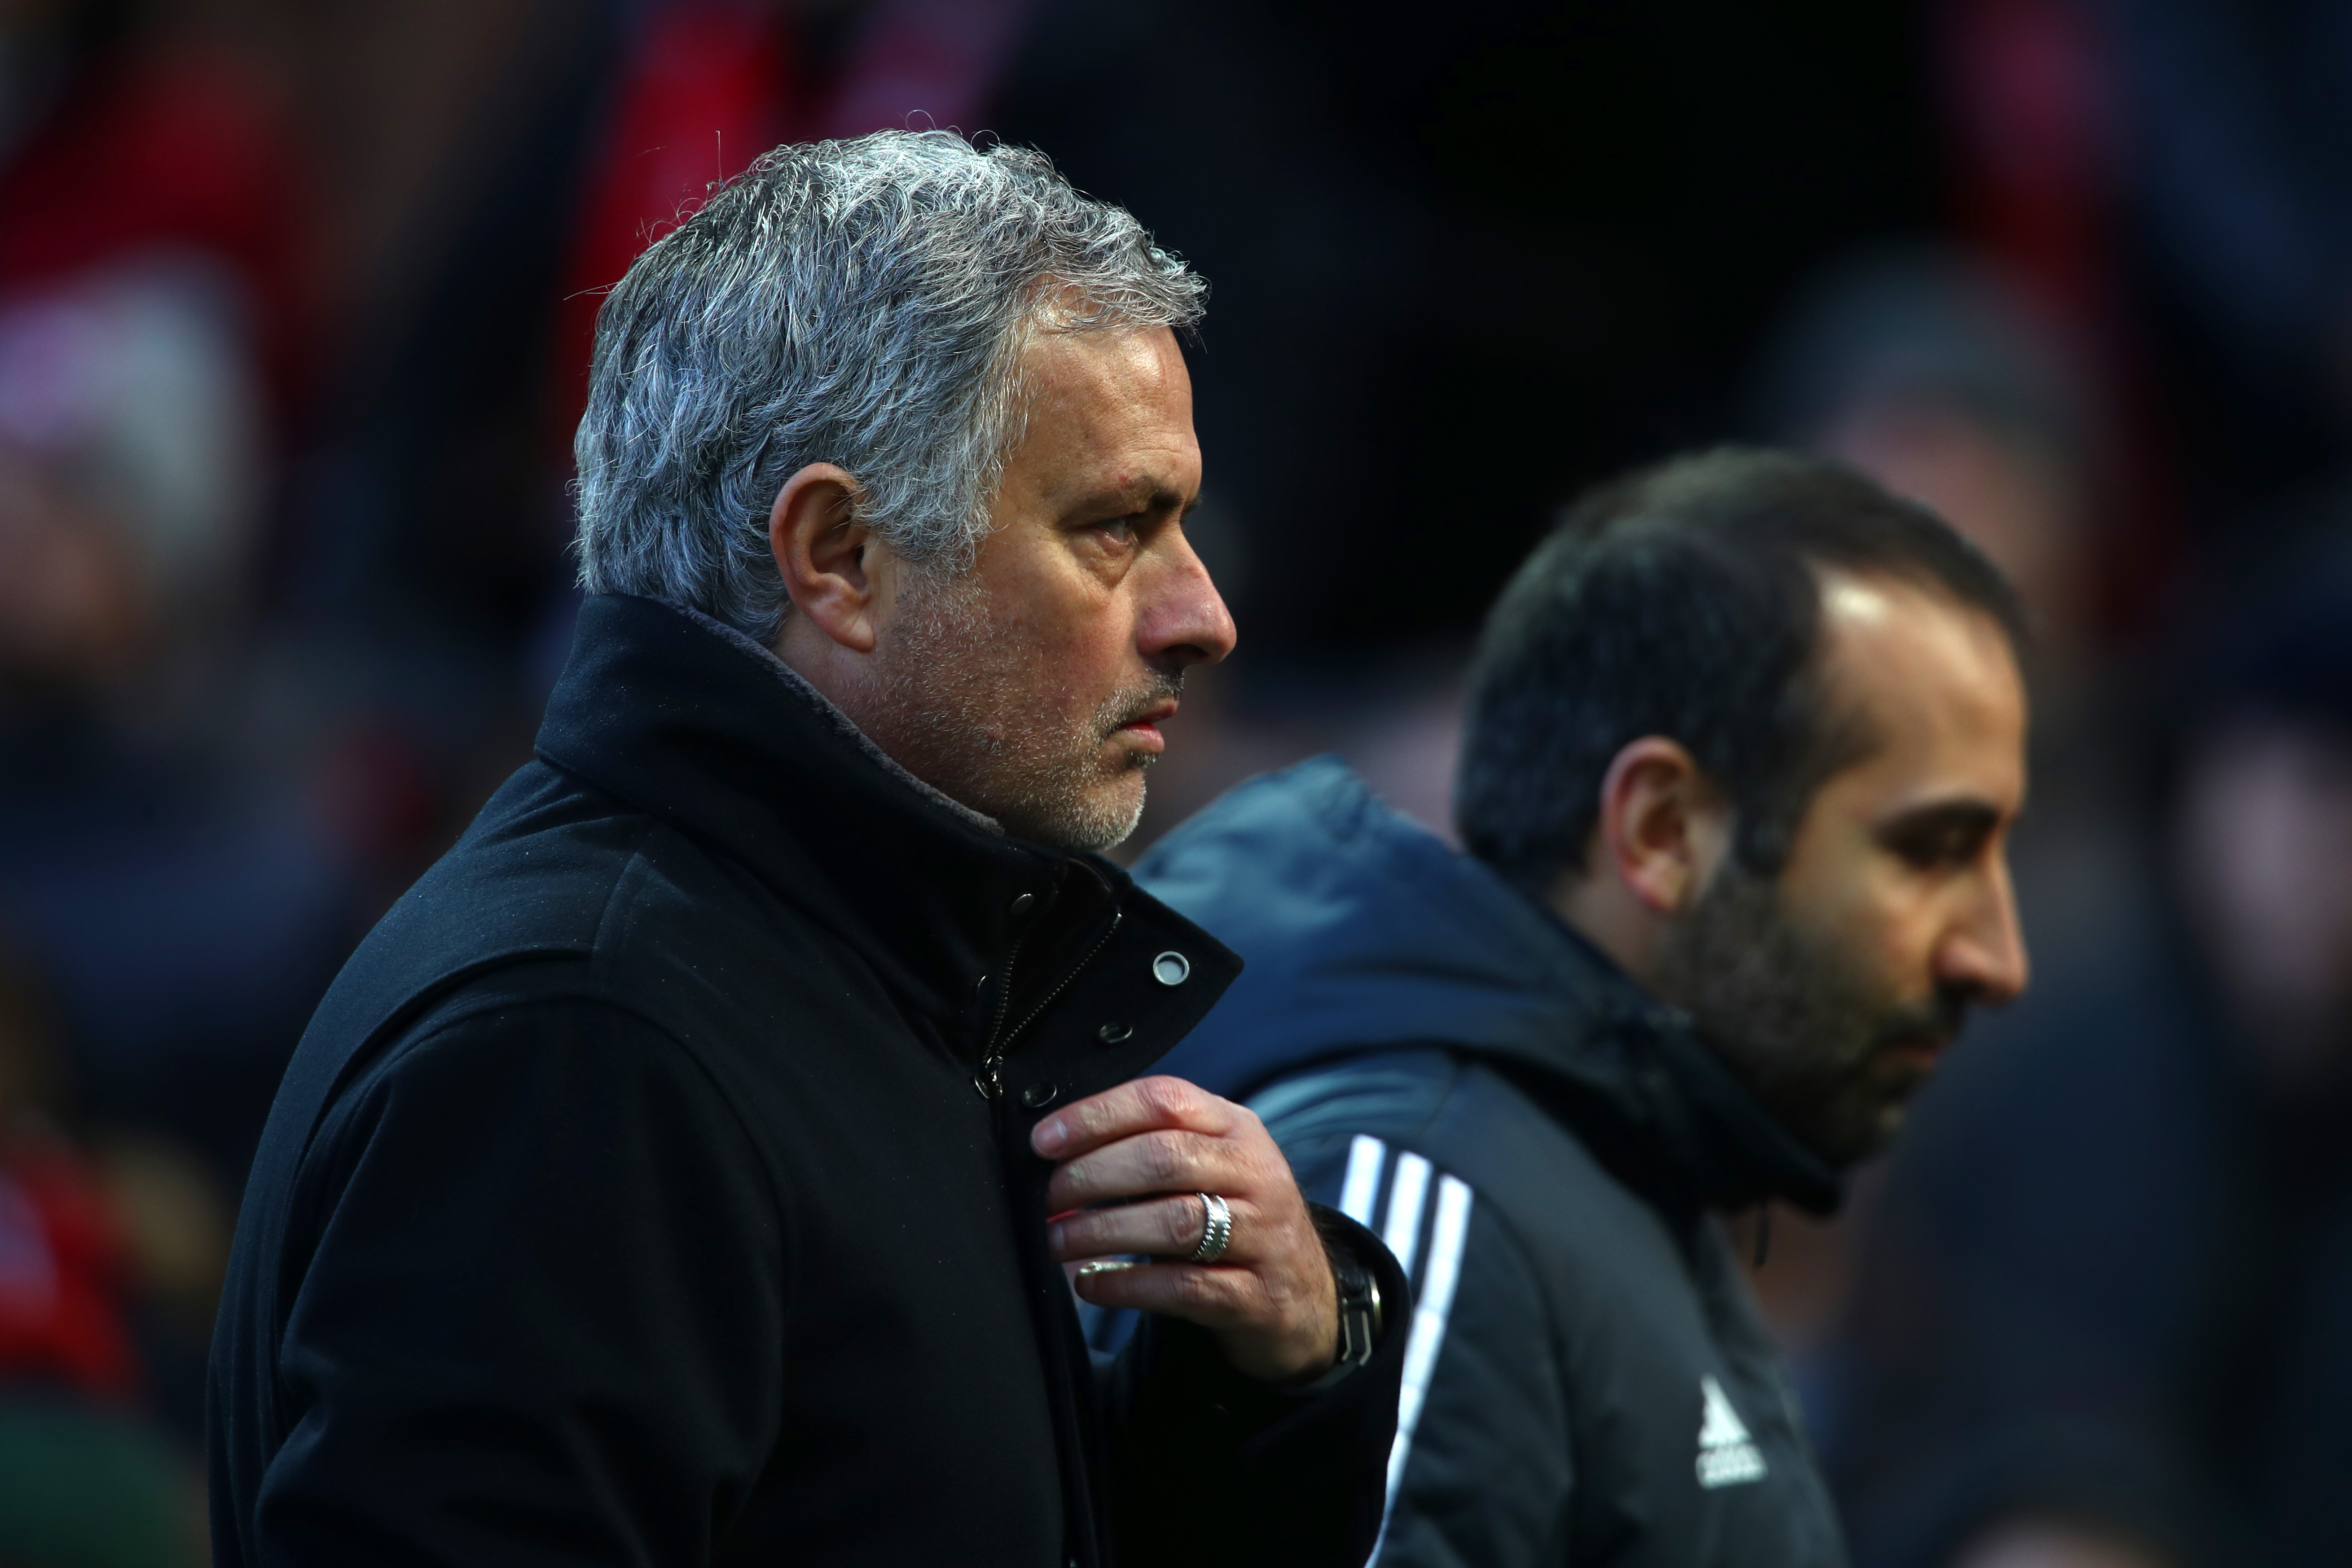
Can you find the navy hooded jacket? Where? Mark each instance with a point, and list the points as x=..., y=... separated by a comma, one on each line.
x=1542, y=1144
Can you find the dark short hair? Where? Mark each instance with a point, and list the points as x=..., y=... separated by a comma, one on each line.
x=1685, y=601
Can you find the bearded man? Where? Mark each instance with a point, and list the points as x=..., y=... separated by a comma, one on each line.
x=1745, y=743
x=673, y=1177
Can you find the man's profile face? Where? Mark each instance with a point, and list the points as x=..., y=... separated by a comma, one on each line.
x=1032, y=689
x=1834, y=988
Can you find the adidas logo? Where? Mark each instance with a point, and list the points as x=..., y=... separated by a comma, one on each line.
x=1727, y=1454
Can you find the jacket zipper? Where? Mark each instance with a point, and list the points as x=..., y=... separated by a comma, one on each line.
x=990, y=1078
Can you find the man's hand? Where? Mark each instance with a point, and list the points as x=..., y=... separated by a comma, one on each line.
x=1151, y=1148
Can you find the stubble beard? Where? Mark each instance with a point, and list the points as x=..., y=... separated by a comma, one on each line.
x=969, y=711
x=1804, y=1024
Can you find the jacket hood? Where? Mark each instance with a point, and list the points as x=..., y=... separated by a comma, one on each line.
x=1363, y=932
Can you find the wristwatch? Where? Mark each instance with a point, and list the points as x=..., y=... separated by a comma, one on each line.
x=1359, y=1314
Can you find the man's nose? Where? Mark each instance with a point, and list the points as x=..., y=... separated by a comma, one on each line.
x=1186, y=621
x=1985, y=950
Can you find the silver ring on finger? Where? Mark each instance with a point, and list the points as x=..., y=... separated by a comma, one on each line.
x=1216, y=1229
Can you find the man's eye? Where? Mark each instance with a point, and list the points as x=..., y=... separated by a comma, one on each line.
x=1930, y=848
x=1120, y=529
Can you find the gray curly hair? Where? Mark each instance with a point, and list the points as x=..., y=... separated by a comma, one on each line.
x=863, y=303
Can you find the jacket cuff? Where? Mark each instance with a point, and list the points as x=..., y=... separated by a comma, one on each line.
x=1294, y=1476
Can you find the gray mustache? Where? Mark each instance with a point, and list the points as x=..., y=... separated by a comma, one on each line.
x=1129, y=706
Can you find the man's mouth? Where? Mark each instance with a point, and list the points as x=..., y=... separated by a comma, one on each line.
x=1917, y=1037
x=1916, y=1053
x=1144, y=727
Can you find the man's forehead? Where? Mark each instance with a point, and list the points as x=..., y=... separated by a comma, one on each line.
x=1110, y=425
x=1105, y=367
x=1934, y=681
x=1870, y=614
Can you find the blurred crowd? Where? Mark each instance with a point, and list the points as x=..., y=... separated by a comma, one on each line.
x=294, y=300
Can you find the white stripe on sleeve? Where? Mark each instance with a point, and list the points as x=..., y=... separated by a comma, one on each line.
x=1408, y=1191
x=1362, y=1184
x=1446, y=1239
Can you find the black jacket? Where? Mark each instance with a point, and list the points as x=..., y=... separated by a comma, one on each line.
x=1589, y=1382
x=630, y=1198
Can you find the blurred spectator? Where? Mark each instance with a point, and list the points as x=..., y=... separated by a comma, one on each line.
x=182, y=908
x=2103, y=1314
x=116, y=146
x=147, y=241
x=131, y=470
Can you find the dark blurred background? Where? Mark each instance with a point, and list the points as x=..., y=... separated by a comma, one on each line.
x=295, y=297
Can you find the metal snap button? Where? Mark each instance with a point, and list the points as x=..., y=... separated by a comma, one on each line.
x=1038, y=1096
x=1114, y=1034
x=1172, y=969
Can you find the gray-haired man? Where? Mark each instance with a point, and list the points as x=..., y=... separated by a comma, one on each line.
x=680, y=1173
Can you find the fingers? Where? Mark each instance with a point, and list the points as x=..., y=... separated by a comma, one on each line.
x=1268, y=1300
x=1214, y=1297
x=1275, y=1323
x=1145, y=1105
x=1165, y=1228
x=1149, y=1163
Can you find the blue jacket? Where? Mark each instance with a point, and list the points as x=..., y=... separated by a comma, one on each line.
x=1543, y=1144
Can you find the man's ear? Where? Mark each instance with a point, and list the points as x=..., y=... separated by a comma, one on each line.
x=1663, y=828
x=826, y=555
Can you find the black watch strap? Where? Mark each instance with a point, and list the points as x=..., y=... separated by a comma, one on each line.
x=1359, y=1314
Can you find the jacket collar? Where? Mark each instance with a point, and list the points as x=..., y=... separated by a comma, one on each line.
x=693, y=723
x=1710, y=1136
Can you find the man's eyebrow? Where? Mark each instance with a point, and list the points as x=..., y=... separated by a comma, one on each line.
x=1968, y=814
x=1145, y=494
